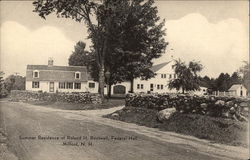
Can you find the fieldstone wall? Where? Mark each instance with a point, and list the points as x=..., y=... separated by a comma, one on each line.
x=237, y=108
x=17, y=95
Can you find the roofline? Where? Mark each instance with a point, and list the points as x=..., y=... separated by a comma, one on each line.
x=56, y=66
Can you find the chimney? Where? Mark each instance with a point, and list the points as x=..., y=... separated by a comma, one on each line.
x=50, y=61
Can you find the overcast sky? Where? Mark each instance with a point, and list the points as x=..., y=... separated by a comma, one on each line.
x=216, y=33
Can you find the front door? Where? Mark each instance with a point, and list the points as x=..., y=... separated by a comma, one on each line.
x=51, y=86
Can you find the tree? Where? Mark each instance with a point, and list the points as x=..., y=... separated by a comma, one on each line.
x=14, y=82
x=134, y=37
x=84, y=10
x=245, y=74
x=110, y=16
x=142, y=41
x=235, y=79
x=80, y=57
x=222, y=82
x=3, y=91
x=187, y=76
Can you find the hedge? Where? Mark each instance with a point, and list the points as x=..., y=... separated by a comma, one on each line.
x=81, y=97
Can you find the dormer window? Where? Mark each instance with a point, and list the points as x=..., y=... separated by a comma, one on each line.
x=35, y=74
x=77, y=75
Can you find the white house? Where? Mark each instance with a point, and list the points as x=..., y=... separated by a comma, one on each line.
x=238, y=90
x=158, y=84
x=50, y=78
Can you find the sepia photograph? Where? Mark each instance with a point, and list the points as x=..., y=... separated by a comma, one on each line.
x=124, y=80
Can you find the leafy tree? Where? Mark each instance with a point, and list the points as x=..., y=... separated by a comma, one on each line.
x=86, y=11
x=142, y=40
x=222, y=82
x=135, y=37
x=3, y=91
x=235, y=79
x=80, y=57
x=245, y=74
x=14, y=82
x=187, y=76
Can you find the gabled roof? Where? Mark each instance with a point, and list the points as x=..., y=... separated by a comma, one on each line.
x=157, y=67
x=57, y=73
x=235, y=87
x=58, y=68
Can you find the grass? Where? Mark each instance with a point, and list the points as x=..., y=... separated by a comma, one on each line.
x=219, y=130
x=114, y=102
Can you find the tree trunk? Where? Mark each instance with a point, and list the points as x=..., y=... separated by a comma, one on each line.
x=132, y=86
x=183, y=91
x=109, y=90
x=101, y=81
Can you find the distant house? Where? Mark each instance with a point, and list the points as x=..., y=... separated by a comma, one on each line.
x=238, y=90
x=201, y=91
x=50, y=78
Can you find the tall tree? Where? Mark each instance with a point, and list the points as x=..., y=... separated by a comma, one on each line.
x=123, y=30
x=135, y=42
x=187, y=76
x=83, y=10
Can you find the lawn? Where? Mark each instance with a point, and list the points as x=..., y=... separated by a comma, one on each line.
x=113, y=102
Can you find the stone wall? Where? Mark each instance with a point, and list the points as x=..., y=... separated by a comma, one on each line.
x=17, y=95
x=206, y=105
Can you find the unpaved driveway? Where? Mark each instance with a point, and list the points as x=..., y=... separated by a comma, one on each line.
x=129, y=140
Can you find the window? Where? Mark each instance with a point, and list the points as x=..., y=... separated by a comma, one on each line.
x=170, y=76
x=158, y=86
x=161, y=86
x=62, y=85
x=163, y=76
x=77, y=75
x=36, y=74
x=77, y=85
x=91, y=85
x=141, y=86
x=35, y=84
x=69, y=85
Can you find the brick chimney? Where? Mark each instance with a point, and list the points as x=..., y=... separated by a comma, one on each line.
x=50, y=61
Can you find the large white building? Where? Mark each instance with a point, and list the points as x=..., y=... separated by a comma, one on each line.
x=158, y=84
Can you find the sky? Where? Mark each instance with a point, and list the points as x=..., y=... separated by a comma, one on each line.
x=216, y=33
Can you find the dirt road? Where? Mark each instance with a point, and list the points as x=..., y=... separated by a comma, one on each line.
x=39, y=133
